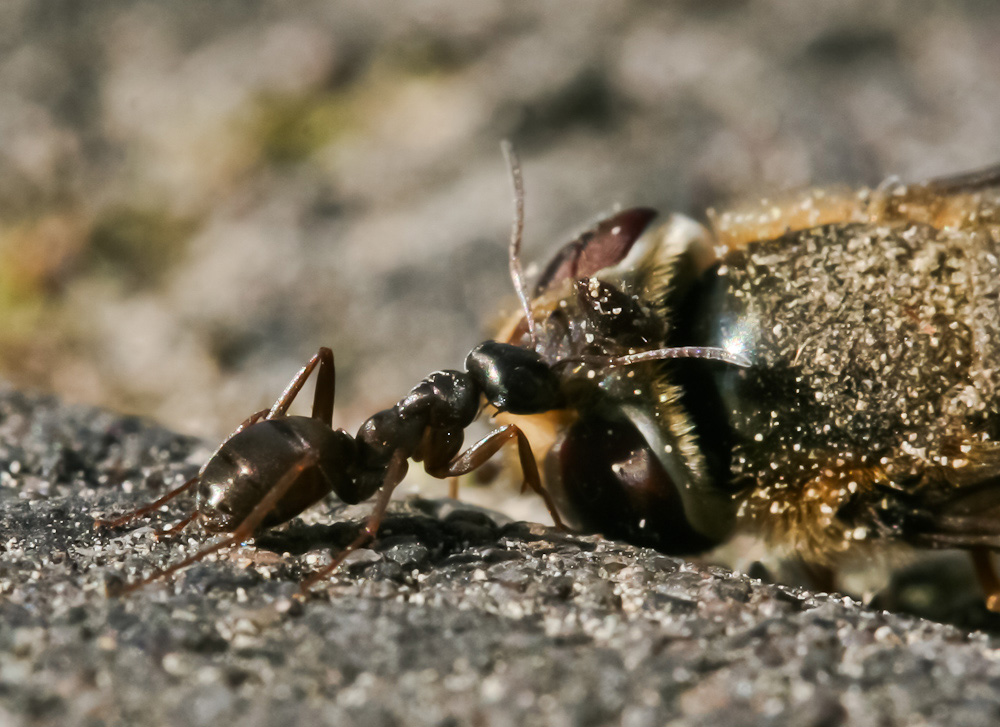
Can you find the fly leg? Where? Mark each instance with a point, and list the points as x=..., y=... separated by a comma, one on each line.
x=986, y=574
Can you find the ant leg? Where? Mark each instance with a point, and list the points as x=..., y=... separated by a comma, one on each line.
x=252, y=419
x=157, y=504
x=243, y=531
x=393, y=476
x=145, y=509
x=326, y=386
x=453, y=488
x=171, y=531
x=486, y=447
x=249, y=421
x=325, y=379
x=987, y=576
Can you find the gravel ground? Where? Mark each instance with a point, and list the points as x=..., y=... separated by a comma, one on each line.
x=455, y=616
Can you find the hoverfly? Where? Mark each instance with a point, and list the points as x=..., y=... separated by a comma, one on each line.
x=816, y=371
x=869, y=413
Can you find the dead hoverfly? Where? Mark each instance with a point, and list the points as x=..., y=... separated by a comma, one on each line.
x=816, y=372
x=869, y=413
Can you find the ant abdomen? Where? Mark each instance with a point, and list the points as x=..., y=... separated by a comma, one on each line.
x=249, y=464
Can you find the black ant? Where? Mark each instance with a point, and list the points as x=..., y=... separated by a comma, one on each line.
x=274, y=466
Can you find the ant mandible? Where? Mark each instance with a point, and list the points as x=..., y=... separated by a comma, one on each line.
x=274, y=466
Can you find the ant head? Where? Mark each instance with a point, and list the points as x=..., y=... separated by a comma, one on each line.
x=514, y=379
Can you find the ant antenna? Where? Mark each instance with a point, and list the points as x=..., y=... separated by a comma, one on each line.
x=516, y=273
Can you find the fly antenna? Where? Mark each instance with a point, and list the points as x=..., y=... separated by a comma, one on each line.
x=516, y=233
x=708, y=353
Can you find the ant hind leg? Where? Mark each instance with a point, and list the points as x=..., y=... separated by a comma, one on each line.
x=252, y=419
x=145, y=509
x=325, y=386
x=243, y=531
x=172, y=531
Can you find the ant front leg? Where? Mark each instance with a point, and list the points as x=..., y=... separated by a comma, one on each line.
x=476, y=455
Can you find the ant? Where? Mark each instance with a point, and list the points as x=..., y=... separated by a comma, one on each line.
x=274, y=466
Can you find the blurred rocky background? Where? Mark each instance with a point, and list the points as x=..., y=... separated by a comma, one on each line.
x=196, y=195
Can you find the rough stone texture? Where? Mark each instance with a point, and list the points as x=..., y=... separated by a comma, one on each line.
x=454, y=617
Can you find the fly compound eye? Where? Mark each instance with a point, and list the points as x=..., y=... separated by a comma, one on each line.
x=614, y=484
x=514, y=379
